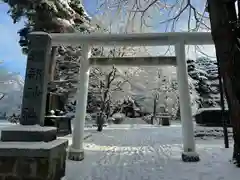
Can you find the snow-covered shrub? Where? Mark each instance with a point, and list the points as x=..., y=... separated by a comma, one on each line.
x=14, y=118
x=147, y=118
x=89, y=120
x=110, y=120
x=118, y=118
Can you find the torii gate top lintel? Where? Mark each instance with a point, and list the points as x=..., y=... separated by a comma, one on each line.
x=147, y=39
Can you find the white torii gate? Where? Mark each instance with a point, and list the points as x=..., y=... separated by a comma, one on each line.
x=179, y=40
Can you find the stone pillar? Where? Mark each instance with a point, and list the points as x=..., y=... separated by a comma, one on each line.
x=189, y=154
x=76, y=151
x=29, y=150
x=36, y=80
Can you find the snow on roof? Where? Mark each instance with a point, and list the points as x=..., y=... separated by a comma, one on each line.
x=210, y=109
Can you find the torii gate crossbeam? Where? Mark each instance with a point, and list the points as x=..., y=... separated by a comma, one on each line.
x=133, y=61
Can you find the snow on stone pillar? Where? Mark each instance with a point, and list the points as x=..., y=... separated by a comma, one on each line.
x=189, y=154
x=76, y=151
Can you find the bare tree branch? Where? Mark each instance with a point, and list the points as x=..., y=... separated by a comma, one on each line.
x=2, y=96
x=173, y=11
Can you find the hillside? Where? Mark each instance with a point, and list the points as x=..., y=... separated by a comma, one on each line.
x=11, y=86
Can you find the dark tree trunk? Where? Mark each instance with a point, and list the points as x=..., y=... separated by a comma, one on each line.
x=53, y=63
x=154, y=110
x=222, y=14
x=100, y=122
x=100, y=127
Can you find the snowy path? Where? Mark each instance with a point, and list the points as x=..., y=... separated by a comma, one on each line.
x=141, y=152
x=144, y=152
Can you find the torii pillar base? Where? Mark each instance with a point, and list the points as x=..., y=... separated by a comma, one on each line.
x=190, y=157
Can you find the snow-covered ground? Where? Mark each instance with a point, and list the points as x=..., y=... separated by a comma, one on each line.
x=3, y=124
x=133, y=121
x=145, y=152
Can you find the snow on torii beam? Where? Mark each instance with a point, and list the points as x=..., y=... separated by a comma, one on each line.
x=137, y=39
x=134, y=61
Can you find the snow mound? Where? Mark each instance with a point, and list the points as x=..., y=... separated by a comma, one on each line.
x=118, y=116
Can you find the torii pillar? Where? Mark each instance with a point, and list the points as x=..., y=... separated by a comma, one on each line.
x=189, y=150
x=76, y=151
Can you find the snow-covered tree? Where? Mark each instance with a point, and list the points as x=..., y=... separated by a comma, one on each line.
x=106, y=83
x=50, y=16
x=204, y=72
x=56, y=16
x=151, y=84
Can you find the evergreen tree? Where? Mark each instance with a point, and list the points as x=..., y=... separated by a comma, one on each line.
x=205, y=74
x=54, y=16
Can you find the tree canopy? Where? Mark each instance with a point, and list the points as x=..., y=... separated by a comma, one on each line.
x=46, y=15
